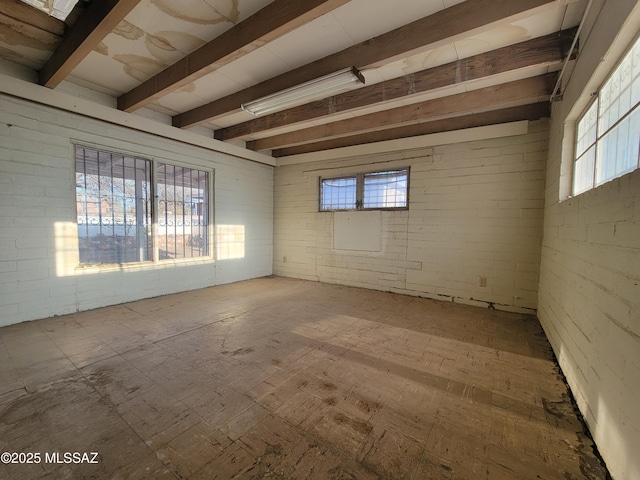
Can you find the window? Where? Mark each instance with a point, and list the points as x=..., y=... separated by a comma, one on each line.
x=115, y=209
x=338, y=194
x=366, y=191
x=385, y=189
x=182, y=211
x=608, y=133
x=113, y=202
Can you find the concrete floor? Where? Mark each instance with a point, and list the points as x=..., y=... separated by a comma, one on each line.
x=279, y=378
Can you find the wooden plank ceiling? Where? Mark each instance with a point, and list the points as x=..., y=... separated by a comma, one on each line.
x=432, y=66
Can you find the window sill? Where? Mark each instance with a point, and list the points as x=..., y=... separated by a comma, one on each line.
x=141, y=266
x=391, y=209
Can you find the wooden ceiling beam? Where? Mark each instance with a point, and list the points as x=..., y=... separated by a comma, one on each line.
x=543, y=51
x=445, y=26
x=273, y=21
x=30, y=15
x=532, y=111
x=528, y=90
x=95, y=23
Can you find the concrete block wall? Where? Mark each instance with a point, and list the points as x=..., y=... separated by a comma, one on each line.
x=589, y=298
x=475, y=213
x=384, y=270
x=38, y=234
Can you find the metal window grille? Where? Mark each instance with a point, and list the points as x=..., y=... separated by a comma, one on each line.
x=183, y=212
x=113, y=207
x=115, y=214
x=338, y=193
x=365, y=191
x=385, y=189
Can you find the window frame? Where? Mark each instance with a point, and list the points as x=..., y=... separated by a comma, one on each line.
x=156, y=216
x=360, y=191
x=342, y=177
x=600, y=137
x=154, y=208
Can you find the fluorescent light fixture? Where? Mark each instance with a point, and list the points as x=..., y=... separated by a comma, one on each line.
x=306, y=92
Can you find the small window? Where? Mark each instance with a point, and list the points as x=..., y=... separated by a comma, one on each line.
x=385, y=189
x=338, y=194
x=608, y=133
x=113, y=203
x=366, y=191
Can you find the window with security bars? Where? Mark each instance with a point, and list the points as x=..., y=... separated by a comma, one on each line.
x=338, y=193
x=366, y=191
x=113, y=203
x=385, y=189
x=608, y=133
x=115, y=214
x=183, y=207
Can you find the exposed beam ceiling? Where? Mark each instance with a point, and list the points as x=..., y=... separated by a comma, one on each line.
x=529, y=90
x=428, y=32
x=273, y=21
x=533, y=111
x=98, y=20
x=430, y=66
x=539, y=52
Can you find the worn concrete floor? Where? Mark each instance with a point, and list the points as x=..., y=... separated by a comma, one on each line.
x=279, y=378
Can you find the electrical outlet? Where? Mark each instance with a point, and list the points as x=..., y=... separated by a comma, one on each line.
x=284, y=259
x=482, y=281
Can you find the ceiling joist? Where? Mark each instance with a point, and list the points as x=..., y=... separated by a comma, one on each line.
x=529, y=90
x=445, y=26
x=533, y=111
x=26, y=14
x=539, y=52
x=266, y=25
x=95, y=23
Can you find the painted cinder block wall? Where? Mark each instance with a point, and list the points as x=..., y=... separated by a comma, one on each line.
x=589, y=300
x=475, y=211
x=38, y=236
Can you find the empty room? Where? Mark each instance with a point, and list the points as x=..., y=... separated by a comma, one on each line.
x=320, y=239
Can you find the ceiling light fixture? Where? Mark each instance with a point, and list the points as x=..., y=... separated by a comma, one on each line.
x=306, y=92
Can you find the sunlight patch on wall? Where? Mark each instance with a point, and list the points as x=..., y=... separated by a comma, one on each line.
x=66, y=244
x=229, y=242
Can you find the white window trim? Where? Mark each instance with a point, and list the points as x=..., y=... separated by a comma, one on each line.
x=584, y=103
